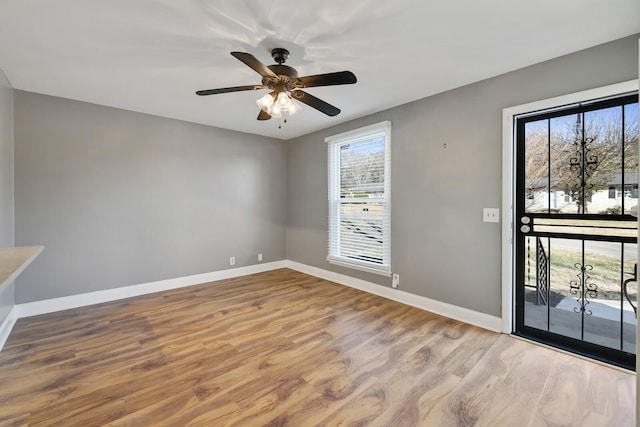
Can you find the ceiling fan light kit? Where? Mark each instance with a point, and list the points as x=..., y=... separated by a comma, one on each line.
x=285, y=86
x=277, y=104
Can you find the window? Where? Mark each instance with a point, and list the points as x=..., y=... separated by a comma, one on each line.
x=631, y=191
x=612, y=192
x=359, y=198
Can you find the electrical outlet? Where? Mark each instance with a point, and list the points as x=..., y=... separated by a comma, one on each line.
x=232, y=260
x=396, y=281
x=491, y=215
x=259, y=257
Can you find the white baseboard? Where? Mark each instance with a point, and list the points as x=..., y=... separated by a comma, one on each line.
x=74, y=301
x=462, y=314
x=7, y=325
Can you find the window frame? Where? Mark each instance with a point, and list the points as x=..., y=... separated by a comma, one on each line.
x=334, y=200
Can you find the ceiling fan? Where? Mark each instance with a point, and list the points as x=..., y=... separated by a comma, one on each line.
x=285, y=86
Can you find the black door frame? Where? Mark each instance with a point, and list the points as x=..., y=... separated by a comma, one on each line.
x=606, y=354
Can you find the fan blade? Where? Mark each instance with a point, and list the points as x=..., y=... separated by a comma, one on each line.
x=329, y=79
x=228, y=89
x=316, y=103
x=263, y=115
x=254, y=63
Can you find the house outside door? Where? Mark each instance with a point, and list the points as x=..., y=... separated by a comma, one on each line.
x=576, y=206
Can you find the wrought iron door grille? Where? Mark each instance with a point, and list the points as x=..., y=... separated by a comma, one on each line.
x=542, y=270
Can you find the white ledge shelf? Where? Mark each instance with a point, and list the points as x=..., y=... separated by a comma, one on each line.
x=13, y=261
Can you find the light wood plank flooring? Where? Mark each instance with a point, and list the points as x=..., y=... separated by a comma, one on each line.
x=283, y=348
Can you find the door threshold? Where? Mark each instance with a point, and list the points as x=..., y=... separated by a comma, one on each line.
x=619, y=366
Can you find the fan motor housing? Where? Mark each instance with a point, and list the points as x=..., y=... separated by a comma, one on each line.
x=283, y=70
x=286, y=80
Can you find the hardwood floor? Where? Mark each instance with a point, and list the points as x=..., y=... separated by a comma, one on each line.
x=283, y=348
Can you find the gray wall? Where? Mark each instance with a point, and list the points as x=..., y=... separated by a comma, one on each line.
x=6, y=183
x=6, y=162
x=440, y=246
x=120, y=198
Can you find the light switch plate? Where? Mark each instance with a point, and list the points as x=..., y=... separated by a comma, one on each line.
x=491, y=215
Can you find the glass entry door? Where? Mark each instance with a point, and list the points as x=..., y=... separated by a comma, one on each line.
x=576, y=228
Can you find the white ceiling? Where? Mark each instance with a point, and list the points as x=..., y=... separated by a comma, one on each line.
x=152, y=55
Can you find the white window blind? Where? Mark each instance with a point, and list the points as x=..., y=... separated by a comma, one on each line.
x=359, y=198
